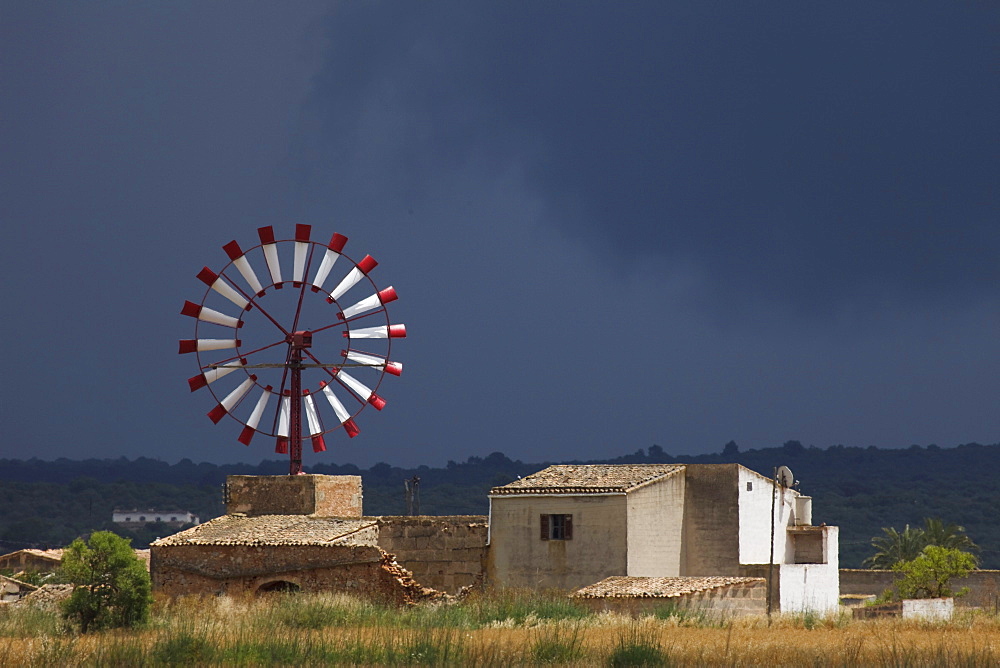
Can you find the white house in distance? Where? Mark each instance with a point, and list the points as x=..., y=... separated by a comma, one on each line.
x=137, y=518
x=570, y=526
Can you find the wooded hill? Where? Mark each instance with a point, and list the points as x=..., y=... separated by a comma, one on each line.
x=861, y=490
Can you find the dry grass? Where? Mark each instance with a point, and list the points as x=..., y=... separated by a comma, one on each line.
x=335, y=630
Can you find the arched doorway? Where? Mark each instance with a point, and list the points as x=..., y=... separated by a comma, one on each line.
x=279, y=586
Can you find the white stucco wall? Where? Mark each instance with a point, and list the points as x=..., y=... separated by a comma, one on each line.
x=655, y=527
x=755, y=519
x=813, y=587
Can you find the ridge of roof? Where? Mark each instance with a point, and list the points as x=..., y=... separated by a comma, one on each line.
x=588, y=479
x=273, y=530
x=623, y=586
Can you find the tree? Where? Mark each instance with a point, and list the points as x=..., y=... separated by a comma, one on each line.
x=928, y=575
x=894, y=546
x=947, y=535
x=111, y=585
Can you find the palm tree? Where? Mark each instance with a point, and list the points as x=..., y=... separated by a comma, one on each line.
x=894, y=547
x=948, y=535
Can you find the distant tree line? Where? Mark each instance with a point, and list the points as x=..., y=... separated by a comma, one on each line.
x=860, y=489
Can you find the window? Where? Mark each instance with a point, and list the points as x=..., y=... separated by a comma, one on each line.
x=142, y=518
x=749, y=486
x=173, y=519
x=556, y=527
x=128, y=519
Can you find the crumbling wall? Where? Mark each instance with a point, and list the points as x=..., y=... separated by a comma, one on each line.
x=446, y=553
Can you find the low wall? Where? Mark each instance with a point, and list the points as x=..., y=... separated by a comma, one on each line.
x=984, y=586
x=445, y=553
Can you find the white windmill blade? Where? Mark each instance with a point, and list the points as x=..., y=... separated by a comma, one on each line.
x=333, y=251
x=379, y=332
x=201, y=345
x=212, y=374
x=283, y=413
x=233, y=398
x=353, y=276
x=341, y=412
x=315, y=426
x=369, y=303
x=206, y=314
x=301, y=253
x=361, y=389
x=266, y=235
x=239, y=259
x=217, y=283
x=374, y=361
x=258, y=410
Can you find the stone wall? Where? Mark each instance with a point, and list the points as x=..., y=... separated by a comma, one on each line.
x=711, y=520
x=445, y=553
x=984, y=586
x=321, y=495
x=735, y=600
x=240, y=569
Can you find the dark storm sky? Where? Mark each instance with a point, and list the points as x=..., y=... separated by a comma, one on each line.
x=610, y=224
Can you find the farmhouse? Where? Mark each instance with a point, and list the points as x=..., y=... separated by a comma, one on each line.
x=700, y=534
x=570, y=526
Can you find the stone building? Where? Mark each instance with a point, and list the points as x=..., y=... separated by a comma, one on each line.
x=308, y=533
x=134, y=519
x=570, y=526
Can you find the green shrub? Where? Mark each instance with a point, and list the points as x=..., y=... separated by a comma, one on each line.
x=111, y=586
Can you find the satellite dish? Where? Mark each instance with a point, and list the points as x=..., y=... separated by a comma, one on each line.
x=783, y=476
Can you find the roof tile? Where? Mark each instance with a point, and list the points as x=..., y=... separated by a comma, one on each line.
x=588, y=478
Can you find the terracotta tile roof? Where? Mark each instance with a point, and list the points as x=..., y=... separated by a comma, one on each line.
x=274, y=530
x=588, y=478
x=621, y=586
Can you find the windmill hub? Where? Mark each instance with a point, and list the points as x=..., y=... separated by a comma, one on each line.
x=301, y=339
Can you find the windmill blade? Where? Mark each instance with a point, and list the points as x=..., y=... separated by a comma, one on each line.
x=361, y=389
x=281, y=445
x=333, y=251
x=301, y=252
x=211, y=375
x=266, y=235
x=231, y=400
x=356, y=274
x=338, y=408
x=206, y=314
x=315, y=426
x=369, y=303
x=201, y=345
x=258, y=410
x=239, y=259
x=380, y=332
x=217, y=283
x=374, y=361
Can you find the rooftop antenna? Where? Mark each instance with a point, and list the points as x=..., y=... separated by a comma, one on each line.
x=282, y=348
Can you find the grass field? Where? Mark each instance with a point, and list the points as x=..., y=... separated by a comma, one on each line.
x=499, y=629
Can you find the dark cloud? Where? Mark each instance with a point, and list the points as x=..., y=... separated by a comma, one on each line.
x=816, y=156
x=610, y=225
